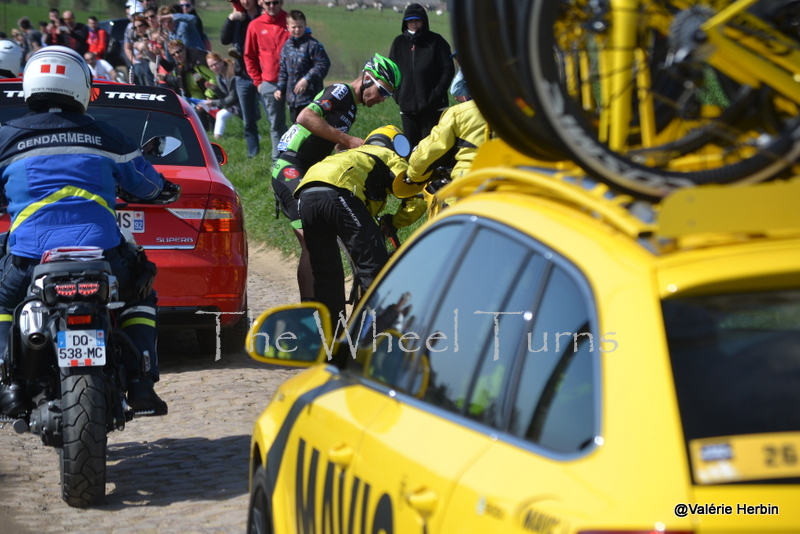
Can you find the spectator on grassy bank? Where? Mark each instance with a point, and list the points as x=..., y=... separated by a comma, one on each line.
x=262, y=53
x=424, y=60
x=303, y=66
x=234, y=33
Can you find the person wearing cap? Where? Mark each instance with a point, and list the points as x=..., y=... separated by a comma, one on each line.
x=320, y=128
x=458, y=88
x=424, y=60
x=339, y=197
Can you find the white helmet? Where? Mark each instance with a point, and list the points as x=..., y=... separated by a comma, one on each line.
x=10, y=59
x=57, y=76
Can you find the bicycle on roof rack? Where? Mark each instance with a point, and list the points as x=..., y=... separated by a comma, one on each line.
x=646, y=95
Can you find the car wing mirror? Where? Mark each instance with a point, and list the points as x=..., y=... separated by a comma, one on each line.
x=220, y=154
x=296, y=335
x=161, y=146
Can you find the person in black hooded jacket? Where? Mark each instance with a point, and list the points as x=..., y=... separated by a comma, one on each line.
x=427, y=70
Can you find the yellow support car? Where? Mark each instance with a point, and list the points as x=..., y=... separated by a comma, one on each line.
x=547, y=356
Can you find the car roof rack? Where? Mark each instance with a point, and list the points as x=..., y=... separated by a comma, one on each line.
x=688, y=218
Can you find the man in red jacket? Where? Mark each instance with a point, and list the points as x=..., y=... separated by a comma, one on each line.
x=98, y=38
x=262, y=53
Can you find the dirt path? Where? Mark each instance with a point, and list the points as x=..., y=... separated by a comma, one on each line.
x=185, y=472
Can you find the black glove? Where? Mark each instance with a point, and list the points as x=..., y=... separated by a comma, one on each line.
x=386, y=222
x=170, y=192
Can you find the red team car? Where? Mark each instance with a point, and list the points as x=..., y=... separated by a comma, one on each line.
x=198, y=242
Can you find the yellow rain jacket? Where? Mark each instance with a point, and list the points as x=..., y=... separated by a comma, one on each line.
x=368, y=172
x=461, y=130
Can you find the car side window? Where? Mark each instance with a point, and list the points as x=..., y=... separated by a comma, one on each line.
x=494, y=371
x=554, y=406
x=461, y=336
x=385, y=325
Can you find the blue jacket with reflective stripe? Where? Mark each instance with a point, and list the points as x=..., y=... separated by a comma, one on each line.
x=59, y=172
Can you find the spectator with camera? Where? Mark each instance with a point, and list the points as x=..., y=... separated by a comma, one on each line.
x=188, y=8
x=181, y=27
x=139, y=52
x=66, y=32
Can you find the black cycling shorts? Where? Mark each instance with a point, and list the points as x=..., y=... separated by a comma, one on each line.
x=284, y=184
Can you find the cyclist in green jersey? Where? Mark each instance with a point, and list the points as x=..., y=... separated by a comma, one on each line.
x=320, y=128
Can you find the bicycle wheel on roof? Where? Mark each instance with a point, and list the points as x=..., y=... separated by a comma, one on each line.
x=637, y=97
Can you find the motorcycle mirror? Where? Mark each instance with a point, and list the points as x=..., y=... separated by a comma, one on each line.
x=161, y=145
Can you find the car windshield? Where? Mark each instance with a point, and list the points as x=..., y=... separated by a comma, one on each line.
x=140, y=125
x=736, y=365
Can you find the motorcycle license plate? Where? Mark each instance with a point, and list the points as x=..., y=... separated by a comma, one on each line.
x=81, y=348
x=132, y=221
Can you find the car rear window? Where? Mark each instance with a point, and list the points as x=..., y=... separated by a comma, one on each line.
x=736, y=363
x=140, y=125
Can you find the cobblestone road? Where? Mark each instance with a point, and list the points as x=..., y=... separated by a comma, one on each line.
x=185, y=472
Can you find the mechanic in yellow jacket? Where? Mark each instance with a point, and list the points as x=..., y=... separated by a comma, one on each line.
x=452, y=144
x=340, y=197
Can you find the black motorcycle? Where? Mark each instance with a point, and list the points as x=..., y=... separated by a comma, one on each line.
x=66, y=351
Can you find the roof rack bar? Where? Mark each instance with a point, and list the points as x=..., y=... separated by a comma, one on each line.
x=593, y=200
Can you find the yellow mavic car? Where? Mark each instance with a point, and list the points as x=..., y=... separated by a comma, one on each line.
x=545, y=356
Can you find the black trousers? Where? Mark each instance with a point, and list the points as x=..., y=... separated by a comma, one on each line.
x=328, y=213
x=418, y=126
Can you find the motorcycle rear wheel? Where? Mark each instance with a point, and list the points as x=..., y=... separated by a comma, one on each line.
x=83, y=455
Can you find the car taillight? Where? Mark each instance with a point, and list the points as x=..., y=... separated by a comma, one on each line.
x=218, y=214
x=222, y=215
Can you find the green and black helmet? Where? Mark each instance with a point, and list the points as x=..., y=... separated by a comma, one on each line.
x=384, y=69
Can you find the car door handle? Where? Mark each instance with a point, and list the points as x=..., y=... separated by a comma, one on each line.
x=423, y=500
x=341, y=455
